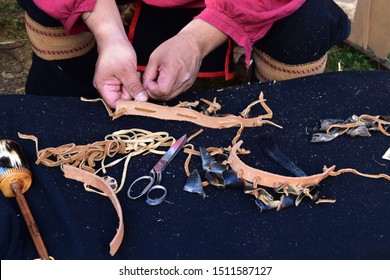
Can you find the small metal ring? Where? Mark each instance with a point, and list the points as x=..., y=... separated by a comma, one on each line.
x=111, y=182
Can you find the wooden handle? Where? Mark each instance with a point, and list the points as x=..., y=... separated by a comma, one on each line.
x=28, y=218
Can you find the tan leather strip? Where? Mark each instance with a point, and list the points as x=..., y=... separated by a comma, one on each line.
x=88, y=178
x=271, y=180
x=152, y=110
x=354, y=171
x=269, y=69
x=54, y=43
x=266, y=179
x=381, y=123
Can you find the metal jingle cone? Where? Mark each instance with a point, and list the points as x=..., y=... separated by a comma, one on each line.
x=16, y=179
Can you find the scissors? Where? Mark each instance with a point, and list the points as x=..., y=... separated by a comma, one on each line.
x=155, y=175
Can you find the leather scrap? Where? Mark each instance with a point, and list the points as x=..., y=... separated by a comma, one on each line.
x=147, y=109
x=271, y=180
x=88, y=178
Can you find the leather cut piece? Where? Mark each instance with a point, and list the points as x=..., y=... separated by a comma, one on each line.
x=127, y=143
x=266, y=179
x=271, y=180
x=90, y=179
x=147, y=109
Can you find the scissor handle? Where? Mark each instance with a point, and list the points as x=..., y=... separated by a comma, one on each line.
x=149, y=188
x=158, y=200
x=145, y=190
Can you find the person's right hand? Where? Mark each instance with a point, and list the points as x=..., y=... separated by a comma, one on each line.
x=116, y=77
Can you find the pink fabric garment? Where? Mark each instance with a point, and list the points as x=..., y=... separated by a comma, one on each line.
x=245, y=21
x=176, y=3
x=68, y=12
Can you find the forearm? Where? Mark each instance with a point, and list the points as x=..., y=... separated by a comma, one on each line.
x=105, y=23
x=116, y=76
x=206, y=36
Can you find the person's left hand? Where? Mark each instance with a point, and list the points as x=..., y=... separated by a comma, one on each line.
x=172, y=68
x=174, y=65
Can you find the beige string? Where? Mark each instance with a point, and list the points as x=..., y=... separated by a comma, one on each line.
x=214, y=106
x=187, y=104
x=354, y=171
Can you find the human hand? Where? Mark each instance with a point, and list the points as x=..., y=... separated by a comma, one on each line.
x=174, y=65
x=116, y=77
x=172, y=68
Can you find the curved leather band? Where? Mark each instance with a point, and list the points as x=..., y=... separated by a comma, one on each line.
x=88, y=178
x=271, y=180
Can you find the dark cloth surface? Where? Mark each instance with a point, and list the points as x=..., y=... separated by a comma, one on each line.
x=76, y=224
x=56, y=77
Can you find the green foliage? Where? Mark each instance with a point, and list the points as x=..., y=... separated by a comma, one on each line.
x=349, y=58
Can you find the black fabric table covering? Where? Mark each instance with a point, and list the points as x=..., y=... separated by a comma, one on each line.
x=226, y=224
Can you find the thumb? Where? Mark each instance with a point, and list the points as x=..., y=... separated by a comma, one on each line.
x=134, y=87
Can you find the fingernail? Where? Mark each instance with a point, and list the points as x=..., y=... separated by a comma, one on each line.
x=141, y=96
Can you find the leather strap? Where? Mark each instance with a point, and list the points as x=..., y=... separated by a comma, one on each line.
x=148, y=109
x=88, y=178
x=266, y=179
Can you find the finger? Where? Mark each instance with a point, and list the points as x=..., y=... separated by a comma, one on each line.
x=164, y=86
x=110, y=94
x=134, y=87
x=151, y=71
x=178, y=91
x=112, y=87
x=109, y=90
x=125, y=94
x=150, y=76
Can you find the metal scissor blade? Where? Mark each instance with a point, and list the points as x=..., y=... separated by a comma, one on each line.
x=170, y=154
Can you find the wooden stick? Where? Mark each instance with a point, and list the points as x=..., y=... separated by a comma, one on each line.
x=28, y=218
